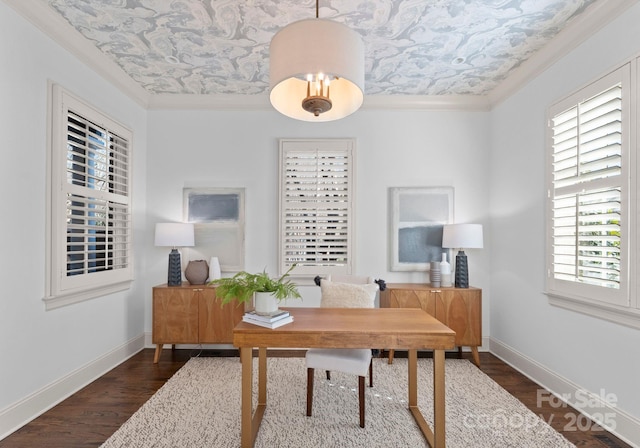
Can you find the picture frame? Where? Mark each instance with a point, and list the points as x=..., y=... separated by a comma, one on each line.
x=418, y=216
x=218, y=215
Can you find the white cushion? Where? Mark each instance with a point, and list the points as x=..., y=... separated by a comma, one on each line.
x=346, y=295
x=348, y=360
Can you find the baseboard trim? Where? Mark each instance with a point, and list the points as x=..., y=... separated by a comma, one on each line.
x=625, y=426
x=22, y=412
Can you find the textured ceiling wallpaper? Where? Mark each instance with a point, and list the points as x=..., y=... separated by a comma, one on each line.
x=413, y=47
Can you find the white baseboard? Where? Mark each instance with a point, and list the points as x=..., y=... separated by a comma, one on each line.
x=149, y=344
x=22, y=412
x=593, y=405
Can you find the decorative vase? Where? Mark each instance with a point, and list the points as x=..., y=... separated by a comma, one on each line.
x=197, y=272
x=214, y=269
x=265, y=303
x=434, y=274
x=445, y=271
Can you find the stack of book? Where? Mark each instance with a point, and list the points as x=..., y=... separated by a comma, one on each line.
x=275, y=320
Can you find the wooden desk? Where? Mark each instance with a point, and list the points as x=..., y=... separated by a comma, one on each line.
x=395, y=328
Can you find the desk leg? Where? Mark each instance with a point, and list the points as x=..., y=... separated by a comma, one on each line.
x=413, y=399
x=262, y=377
x=246, y=430
x=438, y=398
x=413, y=378
x=250, y=423
x=436, y=437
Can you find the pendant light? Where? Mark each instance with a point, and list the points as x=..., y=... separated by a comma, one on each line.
x=316, y=70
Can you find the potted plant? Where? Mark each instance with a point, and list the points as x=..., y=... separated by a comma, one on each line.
x=268, y=291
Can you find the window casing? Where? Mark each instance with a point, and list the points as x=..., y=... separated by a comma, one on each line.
x=89, y=218
x=316, y=206
x=589, y=200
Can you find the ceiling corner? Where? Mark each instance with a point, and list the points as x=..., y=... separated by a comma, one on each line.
x=55, y=27
x=577, y=32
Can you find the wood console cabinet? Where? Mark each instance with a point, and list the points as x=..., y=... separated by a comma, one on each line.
x=191, y=314
x=458, y=308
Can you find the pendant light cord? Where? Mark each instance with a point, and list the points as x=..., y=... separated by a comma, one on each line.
x=317, y=8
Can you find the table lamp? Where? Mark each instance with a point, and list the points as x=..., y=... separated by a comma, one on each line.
x=462, y=236
x=174, y=234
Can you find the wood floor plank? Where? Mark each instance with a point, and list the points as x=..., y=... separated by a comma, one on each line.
x=89, y=417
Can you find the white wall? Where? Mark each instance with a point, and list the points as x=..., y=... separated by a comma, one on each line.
x=41, y=351
x=495, y=162
x=394, y=149
x=47, y=353
x=590, y=353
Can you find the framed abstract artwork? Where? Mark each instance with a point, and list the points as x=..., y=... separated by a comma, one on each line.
x=418, y=215
x=218, y=218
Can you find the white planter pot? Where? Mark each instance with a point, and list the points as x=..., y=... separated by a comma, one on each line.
x=265, y=303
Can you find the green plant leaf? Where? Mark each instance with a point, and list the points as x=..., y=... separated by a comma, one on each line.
x=243, y=285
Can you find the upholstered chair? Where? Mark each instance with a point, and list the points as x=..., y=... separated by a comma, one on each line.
x=360, y=294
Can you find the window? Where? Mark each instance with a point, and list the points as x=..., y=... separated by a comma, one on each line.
x=589, y=208
x=316, y=206
x=89, y=220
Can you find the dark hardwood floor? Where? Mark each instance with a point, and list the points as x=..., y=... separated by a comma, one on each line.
x=90, y=416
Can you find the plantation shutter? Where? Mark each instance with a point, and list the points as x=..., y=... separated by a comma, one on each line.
x=316, y=206
x=587, y=196
x=97, y=206
x=90, y=228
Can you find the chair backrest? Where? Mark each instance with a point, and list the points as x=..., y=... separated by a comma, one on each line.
x=352, y=279
x=359, y=294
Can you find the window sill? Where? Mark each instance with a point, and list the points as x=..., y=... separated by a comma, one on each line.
x=69, y=298
x=629, y=317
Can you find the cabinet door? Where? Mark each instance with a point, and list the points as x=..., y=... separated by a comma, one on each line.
x=413, y=298
x=217, y=322
x=461, y=311
x=175, y=316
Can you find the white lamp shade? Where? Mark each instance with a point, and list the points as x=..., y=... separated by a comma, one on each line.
x=462, y=236
x=316, y=46
x=174, y=234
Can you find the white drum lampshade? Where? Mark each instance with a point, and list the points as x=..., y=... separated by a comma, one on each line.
x=302, y=56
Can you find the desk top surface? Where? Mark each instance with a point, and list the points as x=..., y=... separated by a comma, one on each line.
x=391, y=328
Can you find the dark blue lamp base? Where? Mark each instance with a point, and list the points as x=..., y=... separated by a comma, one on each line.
x=462, y=272
x=175, y=270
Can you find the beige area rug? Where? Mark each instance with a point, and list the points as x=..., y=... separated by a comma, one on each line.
x=200, y=407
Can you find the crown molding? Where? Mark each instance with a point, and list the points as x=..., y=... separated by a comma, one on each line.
x=209, y=102
x=371, y=102
x=55, y=27
x=578, y=31
x=426, y=102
